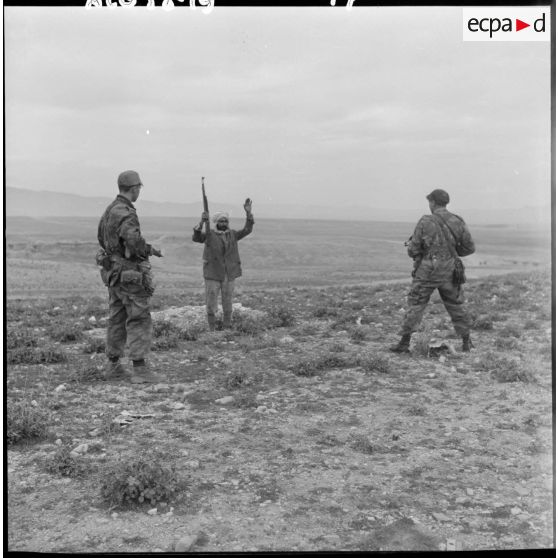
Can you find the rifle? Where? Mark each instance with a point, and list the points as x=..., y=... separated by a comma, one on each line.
x=205, y=207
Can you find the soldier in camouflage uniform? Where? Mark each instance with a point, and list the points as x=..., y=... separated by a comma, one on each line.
x=434, y=264
x=221, y=261
x=126, y=271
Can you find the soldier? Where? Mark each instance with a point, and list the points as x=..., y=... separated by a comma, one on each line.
x=221, y=261
x=434, y=261
x=126, y=271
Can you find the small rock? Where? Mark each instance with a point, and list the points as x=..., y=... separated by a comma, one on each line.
x=184, y=544
x=470, y=492
x=194, y=464
x=92, y=320
x=516, y=511
x=225, y=400
x=272, y=410
x=161, y=388
x=94, y=433
x=152, y=511
x=60, y=388
x=178, y=406
x=260, y=397
x=440, y=517
x=261, y=409
x=114, y=515
x=82, y=448
x=34, y=403
x=285, y=340
x=58, y=442
x=461, y=500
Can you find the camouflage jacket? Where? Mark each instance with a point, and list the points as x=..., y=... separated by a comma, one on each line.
x=429, y=240
x=220, y=254
x=119, y=229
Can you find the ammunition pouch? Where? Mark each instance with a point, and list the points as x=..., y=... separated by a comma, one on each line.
x=131, y=277
x=459, y=272
x=135, y=277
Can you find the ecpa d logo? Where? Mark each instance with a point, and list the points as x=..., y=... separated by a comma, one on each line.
x=506, y=24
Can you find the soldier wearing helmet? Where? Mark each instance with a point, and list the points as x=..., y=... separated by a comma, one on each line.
x=126, y=271
x=437, y=240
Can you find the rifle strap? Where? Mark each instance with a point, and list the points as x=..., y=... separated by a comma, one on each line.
x=444, y=226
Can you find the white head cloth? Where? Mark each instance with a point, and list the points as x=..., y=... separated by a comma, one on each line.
x=219, y=215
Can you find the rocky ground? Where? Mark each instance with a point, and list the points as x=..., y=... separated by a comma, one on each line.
x=295, y=430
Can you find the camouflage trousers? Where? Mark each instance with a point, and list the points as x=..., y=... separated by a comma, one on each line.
x=212, y=290
x=425, y=282
x=129, y=321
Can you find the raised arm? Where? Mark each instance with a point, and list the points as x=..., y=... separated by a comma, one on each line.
x=249, y=224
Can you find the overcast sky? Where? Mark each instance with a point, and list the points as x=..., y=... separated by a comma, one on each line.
x=324, y=106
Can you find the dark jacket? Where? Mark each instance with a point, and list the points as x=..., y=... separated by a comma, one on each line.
x=220, y=255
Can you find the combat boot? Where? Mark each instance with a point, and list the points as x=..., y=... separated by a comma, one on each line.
x=141, y=374
x=211, y=323
x=403, y=345
x=115, y=371
x=467, y=343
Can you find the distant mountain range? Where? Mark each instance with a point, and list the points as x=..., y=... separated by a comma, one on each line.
x=43, y=203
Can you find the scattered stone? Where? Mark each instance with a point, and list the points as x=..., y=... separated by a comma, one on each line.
x=516, y=511
x=286, y=340
x=440, y=517
x=161, y=388
x=92, y=320
x=260, y=397
x=178, y=406
x=461, y=500
x=34, y=403
x=60, y=388
x=152, y=511
x=94, y=433
x=225, y=400
x=470, y=492
x=58, y=442
x=261, y=409
x=114, y=515
x=81, y=449
x=184, y=544
x=194, y=464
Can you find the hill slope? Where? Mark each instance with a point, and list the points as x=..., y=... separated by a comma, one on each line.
x=32, y=203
